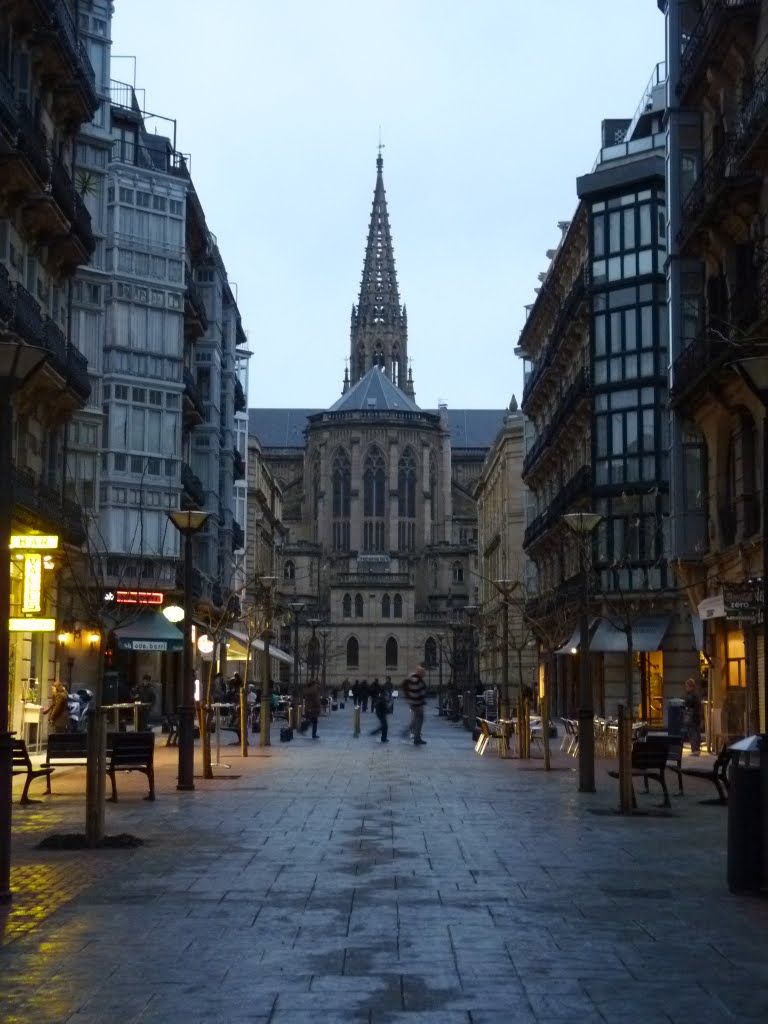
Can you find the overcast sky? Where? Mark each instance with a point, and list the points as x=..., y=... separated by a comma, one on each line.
x=488, y=109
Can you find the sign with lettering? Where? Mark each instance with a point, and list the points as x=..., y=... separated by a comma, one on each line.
x=146, y=645
x=32, y=542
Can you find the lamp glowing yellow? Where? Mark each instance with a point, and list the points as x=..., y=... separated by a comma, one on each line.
x=173, y=612
x=205, y=644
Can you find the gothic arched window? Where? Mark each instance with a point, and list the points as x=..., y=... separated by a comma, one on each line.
x=289, y=569
x=358, y=606
x=360, y=360
x=390, y=652
x=353, y=652
x=458, y=572
x=378, y=356
x=374, y=501
x=346, y=606
x=340, y=512
x=395, y=365
x=430, y=653
x=385, y=607
x=406, y=501
x=398, y=606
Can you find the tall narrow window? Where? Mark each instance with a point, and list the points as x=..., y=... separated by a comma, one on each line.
x=289, y=570
x=353, y=652
x=406, y=501
x=346, y=606
x=374, y=501
x=385, y=607
x=430, y=653
x=341, y=478
x=358, y=606
x=398, y=606
x=390, y=652
x=395, y=367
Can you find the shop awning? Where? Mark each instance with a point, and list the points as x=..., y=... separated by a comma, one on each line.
x=574, y=642
x=151, y=631
x=242, y=641
x=647, y=635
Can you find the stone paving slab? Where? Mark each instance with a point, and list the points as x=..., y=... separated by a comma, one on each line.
x=346, y=880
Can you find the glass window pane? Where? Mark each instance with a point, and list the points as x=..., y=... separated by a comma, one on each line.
x=600, y=336
x=629, y=228
x=629, y=265
x=617, y=433
x=645, y=224
x=649, y=467
x=599, y=236
x=645, y=262
x=602, y=435
x=616, y=332
x=601, y=371
x=633, y=468
x=630, y=330
x=614, y=231
x=631, y=430
x=646, y=326
x=646, y=364
x=616, y=368
x=601, y=472
x=598, y=271
x=614, y=269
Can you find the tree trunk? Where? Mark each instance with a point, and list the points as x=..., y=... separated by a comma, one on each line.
x=96, y=767
x=205, y=732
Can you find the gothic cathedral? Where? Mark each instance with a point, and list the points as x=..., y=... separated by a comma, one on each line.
x=378, y=494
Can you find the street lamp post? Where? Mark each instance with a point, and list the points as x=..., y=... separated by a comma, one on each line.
x=754, y=370
x=312, y=653
x=187, y=523
x=297, y=607
x=266, y=676
x=582, y=524
x=324, y=637
x=18, y=363
x=440, y=638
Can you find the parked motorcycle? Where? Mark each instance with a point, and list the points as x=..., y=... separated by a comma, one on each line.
x=80, y=705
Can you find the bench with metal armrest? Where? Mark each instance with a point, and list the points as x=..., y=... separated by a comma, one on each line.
x=22, y=765
x=716, y=773
x=649, y=761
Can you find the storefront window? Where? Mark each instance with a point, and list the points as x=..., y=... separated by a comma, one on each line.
x=736, y=661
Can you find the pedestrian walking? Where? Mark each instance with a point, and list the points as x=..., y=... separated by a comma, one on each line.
x=355, y=691
x=312, y=705
x=415, y=690
x=365, y=692
x=692, y=716
x=58, y=709
x=382, y=707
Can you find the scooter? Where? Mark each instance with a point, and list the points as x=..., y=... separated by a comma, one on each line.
x=79, y=705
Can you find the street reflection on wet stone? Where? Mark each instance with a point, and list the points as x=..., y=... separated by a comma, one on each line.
x=349, y=880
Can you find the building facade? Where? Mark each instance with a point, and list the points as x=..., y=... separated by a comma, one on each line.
x=378, y=494
x=48, y=91
x=718, y=287
x=596, y=351
x=111, y=266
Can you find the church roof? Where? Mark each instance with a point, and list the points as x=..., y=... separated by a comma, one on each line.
x=284, y=428
x=375, y=391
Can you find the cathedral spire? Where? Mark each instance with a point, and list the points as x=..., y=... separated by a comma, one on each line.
x=379, y=335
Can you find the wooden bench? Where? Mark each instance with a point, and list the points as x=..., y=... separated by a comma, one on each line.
x=716, y=773
x=674, y=757
x=131, y=752
x=649, y=761
x=22, y=765
x=65, y=748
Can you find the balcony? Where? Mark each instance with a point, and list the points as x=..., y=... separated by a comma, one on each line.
x=724, y=184
x=64, y=64
x=157, y=155
x=194, y=492
x=241, y=403
x=9, y=110
x=579, y=388
x=752, y=131
x=238, y=465
x=194, y=407
x=238, y=536
x=566, y=315
x=721, y=21
x=697, y=364
x=578, y=485
x=41, y=507
x=195, y=316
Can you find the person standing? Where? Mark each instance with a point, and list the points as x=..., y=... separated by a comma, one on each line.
x=415, y=690
x=58, y=709
x=364, y=694
x=145, y=696
x=692, y=715
x=312, y=705
x=381, y=707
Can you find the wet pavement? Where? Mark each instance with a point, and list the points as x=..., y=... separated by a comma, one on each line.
x=349, y=880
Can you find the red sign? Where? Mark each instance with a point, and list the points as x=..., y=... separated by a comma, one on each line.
x=139, y=597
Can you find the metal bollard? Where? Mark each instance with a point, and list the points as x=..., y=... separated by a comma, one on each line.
x=356, y=731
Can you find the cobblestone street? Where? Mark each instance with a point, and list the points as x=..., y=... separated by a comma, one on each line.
x=347, y=880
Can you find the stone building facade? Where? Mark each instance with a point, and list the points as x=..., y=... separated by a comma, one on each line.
x=378, y=494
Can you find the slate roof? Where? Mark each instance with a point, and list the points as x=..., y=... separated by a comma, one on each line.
x=375, y=391
x=284, y=428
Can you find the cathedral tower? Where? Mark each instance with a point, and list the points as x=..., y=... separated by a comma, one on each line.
x=379, y=329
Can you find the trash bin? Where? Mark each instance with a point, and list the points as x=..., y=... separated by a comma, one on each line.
x=675, y=710
x=745, y=827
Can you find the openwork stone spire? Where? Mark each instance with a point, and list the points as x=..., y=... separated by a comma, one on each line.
x=379, y=332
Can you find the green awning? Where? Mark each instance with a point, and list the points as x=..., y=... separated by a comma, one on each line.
x=151, y=631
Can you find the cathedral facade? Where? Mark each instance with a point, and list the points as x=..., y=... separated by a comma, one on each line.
x=380, y=553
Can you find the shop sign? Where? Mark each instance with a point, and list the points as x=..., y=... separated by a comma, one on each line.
x=148, y=645
x=33, y=583
x=712, y=608
x=741, y=604
x=32, y=625
x=32, y=542
x=134, y=596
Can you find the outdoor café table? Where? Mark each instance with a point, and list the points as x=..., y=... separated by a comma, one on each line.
x=509, y=730
x=134, y=706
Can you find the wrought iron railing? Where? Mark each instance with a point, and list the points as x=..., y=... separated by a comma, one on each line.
x=39, y=503
x=192, y=484
x=714, y=16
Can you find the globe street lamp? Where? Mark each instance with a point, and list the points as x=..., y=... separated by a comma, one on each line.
x=187, y=523
x=582, y=524
x=267, y=582
x=18, y=364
